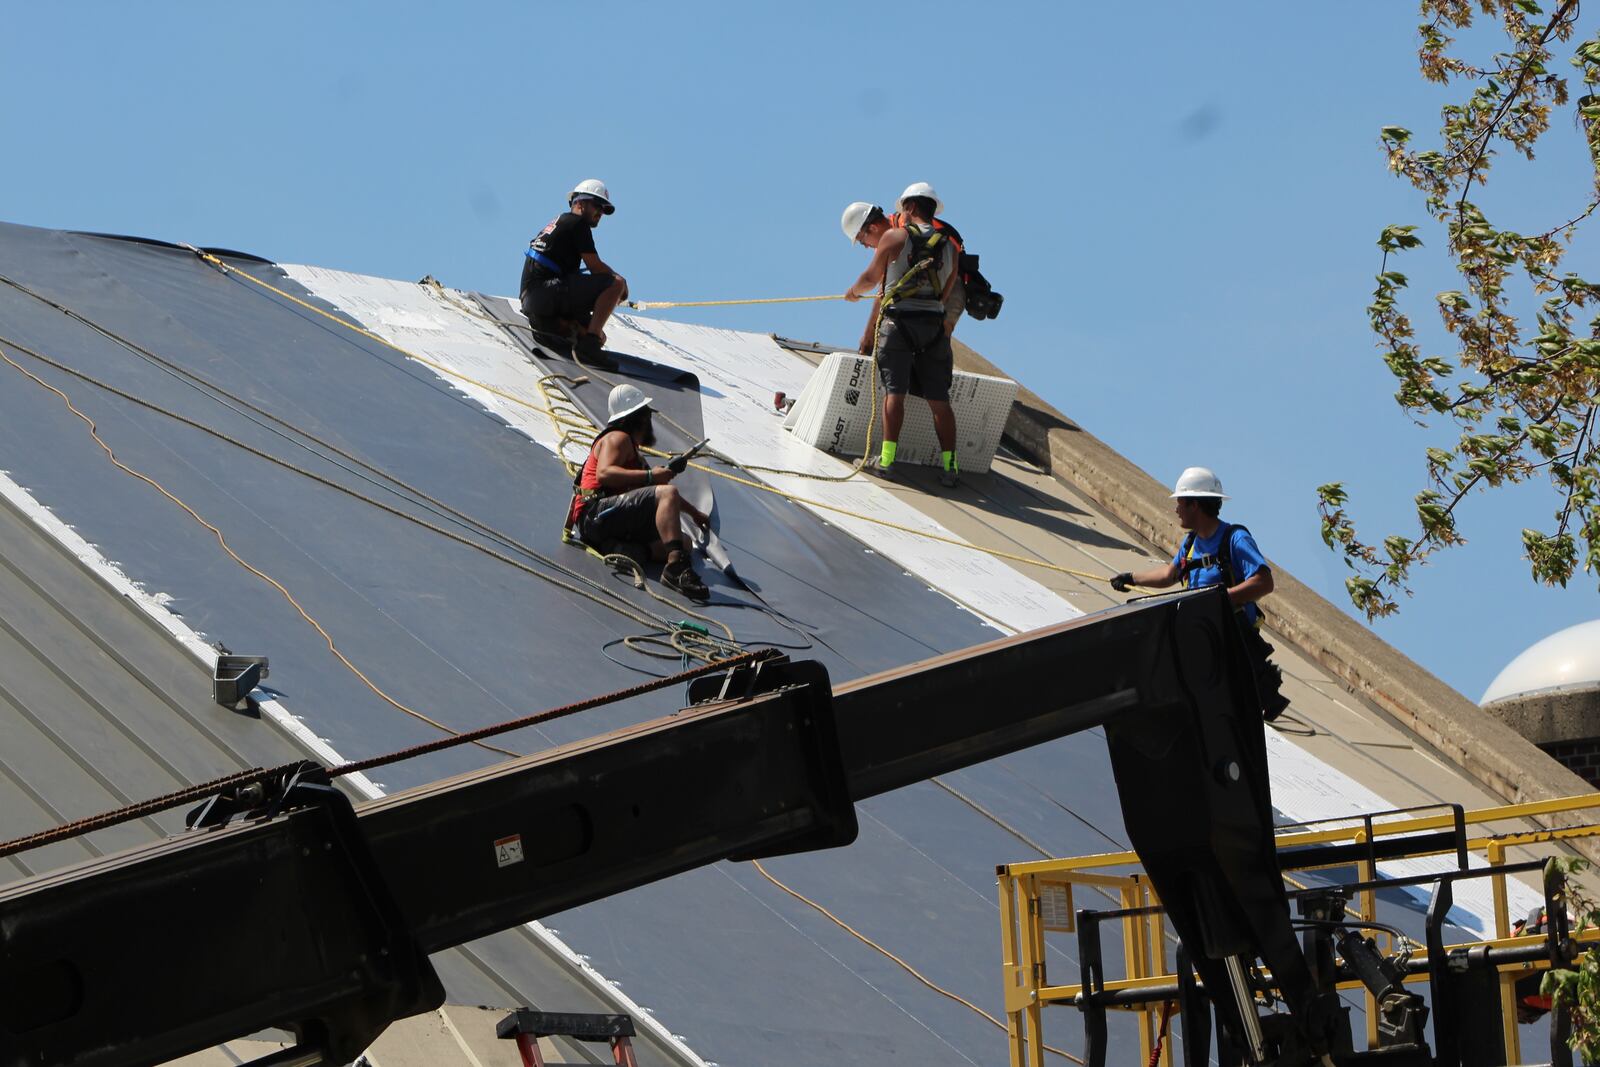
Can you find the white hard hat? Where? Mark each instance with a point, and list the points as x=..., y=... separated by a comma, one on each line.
x=592, y=189
x=1198, y=481
x=922, y=189
x=624, y=400
x=855, y=217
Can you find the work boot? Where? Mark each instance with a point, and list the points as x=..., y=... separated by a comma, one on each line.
x=679, y=576
x=587, y=351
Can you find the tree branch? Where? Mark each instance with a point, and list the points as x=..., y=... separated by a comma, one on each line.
x=1484, y=137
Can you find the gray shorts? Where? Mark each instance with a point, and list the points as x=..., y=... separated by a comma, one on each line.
x=914, y=355
x=629, y=516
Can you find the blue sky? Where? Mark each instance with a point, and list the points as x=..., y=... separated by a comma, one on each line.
x=1179, y=201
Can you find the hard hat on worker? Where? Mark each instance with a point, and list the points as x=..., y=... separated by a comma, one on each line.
x=922, y=189
x=624, y=400
x=854, y=218
x=1198, y=482
x=592, y=189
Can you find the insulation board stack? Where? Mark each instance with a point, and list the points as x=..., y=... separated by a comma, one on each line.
x=836, y=405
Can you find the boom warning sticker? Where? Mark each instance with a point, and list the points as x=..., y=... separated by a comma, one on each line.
x=508, y=850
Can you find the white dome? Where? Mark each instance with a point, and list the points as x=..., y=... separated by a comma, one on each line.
x=1569, y=659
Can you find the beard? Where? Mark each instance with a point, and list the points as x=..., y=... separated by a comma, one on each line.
x=647, y=436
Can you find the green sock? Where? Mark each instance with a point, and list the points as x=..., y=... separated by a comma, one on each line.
x=949, y=459
x=889, y=449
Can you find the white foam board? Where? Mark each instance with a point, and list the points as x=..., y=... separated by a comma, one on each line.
x=837, y=407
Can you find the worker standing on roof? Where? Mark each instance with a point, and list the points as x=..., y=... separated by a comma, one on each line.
x=556, y=296
x=914, y=269
x=919, y=203
x=619, y=499
x=1220, y=553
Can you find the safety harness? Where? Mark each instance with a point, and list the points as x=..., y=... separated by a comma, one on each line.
x=544, y=262
x=982, y=302
x=582, y=497
x=1222, y=560
x=924, y=254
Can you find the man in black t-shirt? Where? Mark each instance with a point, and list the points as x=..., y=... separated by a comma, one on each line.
x=555, y=291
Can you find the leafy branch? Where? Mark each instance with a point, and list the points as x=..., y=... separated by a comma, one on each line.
x=1521, y=383
x=1576, y=988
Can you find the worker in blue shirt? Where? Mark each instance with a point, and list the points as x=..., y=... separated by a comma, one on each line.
x=1219, y=553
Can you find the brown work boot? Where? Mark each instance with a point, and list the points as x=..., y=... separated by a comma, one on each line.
x=680, y=577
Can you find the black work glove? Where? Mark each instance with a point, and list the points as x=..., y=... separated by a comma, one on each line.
x=1121, y=581
x=677, y=463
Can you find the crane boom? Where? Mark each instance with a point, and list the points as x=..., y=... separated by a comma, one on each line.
x=316, y=916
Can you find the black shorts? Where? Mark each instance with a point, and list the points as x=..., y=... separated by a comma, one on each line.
x=572, y=296
x=914, y=355
x=629, y=516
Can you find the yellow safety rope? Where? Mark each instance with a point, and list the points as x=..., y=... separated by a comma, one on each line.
x=650, y=305
x=448, y=372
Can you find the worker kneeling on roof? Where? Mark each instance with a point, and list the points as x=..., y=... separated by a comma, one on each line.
x=914, y=268
x=557, y=297
x=1220, y=553
x=619, y=499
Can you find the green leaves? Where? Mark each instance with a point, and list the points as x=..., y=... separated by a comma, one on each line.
x=1396, y=238
x=1576, y=987
x=1522, y=390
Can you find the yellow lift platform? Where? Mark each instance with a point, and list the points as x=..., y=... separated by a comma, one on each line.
x=1045, y=897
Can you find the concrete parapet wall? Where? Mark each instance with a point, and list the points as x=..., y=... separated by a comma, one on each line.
x=1492, y=753
x=1544, y=718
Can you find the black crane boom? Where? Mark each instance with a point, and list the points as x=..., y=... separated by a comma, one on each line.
x=316, y=916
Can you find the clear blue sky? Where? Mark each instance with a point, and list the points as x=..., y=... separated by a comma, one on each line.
x=1179, y=201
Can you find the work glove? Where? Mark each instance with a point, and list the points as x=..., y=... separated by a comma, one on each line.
x=1121, y=581
x=677, y=463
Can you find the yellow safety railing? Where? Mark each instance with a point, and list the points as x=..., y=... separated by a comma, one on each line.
x=1043, y=896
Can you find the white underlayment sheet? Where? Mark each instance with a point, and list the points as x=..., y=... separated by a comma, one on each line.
x=739, y=373
x=416, y=319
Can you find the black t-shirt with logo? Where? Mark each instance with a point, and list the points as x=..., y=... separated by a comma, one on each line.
x=564, y=241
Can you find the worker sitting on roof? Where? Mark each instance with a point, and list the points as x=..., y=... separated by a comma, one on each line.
x=1220, y=553
x=919, y=203
x=620, y=500
x=556, y=296
x=914, y=266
